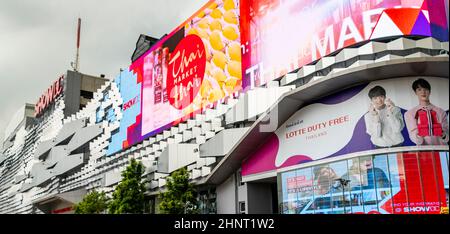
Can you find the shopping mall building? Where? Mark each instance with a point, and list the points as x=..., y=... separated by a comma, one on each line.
x=347, y=113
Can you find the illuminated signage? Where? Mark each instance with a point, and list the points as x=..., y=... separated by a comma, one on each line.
x=196, y=65
x=186, y=71
x=49, y=96
x=130, y=103
x=273, y=47
x=230, y=46
x=130, y=92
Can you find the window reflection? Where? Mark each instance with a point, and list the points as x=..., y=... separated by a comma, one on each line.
x=382, y=183
x=391, y=183
x=304, y=189
x=289, y=197
x=340, y=192
x=398, y=182
x=323, y=175
x=354, y=176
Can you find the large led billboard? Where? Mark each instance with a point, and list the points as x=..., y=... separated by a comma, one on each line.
x=230, y=46
x=128, y=133
x=194, y=66
x=380, y=115
x=281, y=36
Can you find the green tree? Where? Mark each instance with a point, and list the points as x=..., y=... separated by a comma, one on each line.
x=128, y=197
x=93, y=203
x=179, y=198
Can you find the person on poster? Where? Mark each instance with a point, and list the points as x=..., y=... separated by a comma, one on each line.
x=384, y=120
x=363, y=175
x=426, y=123
x=325, y=177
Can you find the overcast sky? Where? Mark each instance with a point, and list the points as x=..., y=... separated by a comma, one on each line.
x=38, y=40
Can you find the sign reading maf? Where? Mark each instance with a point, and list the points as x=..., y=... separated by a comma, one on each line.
x=49, y=96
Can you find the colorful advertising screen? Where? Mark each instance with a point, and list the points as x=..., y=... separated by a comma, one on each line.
x=281, y=36
x=192, y=68
x=402, y=183
x=196, y=65
x=382, y=114
x=128, y=133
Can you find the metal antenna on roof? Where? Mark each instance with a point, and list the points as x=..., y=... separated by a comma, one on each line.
x=76, y=66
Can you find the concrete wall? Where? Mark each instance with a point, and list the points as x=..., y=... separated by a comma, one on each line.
x=72, y=87
x=176, y=156
x=112, y=177
x=74, y=83
x=91, y=83
x=226, y=196
x=255, y=102
x=242, y=197
x=221, y=143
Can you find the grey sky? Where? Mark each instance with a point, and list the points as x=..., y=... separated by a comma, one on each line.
x=37, y=40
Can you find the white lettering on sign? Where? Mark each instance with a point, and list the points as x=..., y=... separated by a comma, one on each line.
x=323, y=45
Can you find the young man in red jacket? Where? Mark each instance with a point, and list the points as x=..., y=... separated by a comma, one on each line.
x=427, y=124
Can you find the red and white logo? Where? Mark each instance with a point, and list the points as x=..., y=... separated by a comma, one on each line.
x=186, y=71
x=130, y=103
x=49, y=96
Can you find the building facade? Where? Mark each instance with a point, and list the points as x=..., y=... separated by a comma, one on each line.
x=25, y=174
x=266, y=119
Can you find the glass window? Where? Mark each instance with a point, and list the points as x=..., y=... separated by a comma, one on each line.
x=322, y=186
x=398, y=183
x=443, y=156
x=401, y=183
x=369, y=195
x=110, y=115
x=444, y=167
x=340, y=188
x=99, y=115
x=303, y=186
x=430, y=181
x=289, y=197
x=355, y=187
x=414, y=185
x=382, y=184
x=106, y=96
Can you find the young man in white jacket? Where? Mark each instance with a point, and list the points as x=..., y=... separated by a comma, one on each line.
x=384, y=120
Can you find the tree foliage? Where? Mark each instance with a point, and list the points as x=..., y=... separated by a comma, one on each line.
x=93, y=203
x=128, y=196
x=180, y=195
